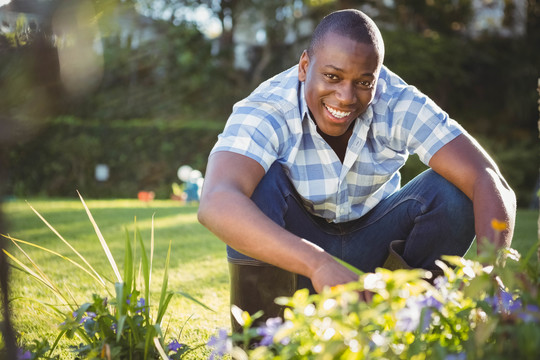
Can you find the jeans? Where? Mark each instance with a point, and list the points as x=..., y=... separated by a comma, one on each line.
x=433, y=217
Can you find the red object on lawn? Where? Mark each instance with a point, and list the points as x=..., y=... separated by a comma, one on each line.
x=146, y=196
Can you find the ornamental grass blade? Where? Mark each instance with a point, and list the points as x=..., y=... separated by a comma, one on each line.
x=128, y=264
x=42, y=276
x=349, y=266
x=68, y=244
x=164, y=297
x=102, y=241
x=146, y=273
x=187, y=296
x=93, y=276
x=160, y=350
x=27, y=270
x=151, y=251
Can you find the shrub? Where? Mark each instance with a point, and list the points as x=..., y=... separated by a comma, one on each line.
x=472, y=312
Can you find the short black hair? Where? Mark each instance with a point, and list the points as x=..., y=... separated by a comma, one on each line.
x=350, y=23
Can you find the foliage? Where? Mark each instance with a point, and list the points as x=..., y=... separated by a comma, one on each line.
x=472, y=312
x=181, y=74
x=120, y=324
x=141, y=155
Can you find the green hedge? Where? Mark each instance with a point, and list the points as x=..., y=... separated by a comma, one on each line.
x=145, y=155
x=141, y=155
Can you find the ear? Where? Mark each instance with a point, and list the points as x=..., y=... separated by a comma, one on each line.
x=303, y=65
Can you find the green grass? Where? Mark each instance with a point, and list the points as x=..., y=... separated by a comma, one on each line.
x=198, y=264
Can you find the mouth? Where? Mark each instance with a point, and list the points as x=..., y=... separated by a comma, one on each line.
x=338, y=114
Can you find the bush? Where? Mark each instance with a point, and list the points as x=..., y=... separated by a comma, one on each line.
x=141, y=155
x=472, y=312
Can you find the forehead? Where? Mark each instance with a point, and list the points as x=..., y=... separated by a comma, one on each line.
x=343, y=52
x=333, y=39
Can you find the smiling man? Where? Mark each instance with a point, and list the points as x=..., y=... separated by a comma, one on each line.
x=307, y=169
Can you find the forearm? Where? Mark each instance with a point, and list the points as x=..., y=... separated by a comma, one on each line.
x=237, y=221
x=494, y=200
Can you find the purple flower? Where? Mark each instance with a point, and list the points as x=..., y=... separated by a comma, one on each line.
x=221, y=343
x=174, y=346
x=268, y=330
x=416, y=309
x=460, y=356
x=140, y=305
x=531, y=313
x=89, y=315
x=23, y=355
x=504, y=302
x=113, y=327
x=430, y=301
x=408, y=318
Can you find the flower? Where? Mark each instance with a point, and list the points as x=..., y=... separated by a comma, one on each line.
x=408, y=318
x=498, y=225
x=221, y=343
x=89, y=316
x=503, y=302
x=531, y=313
x=23, y=355
x=268, y=330
x=140, y=305
x=174, y=345
x=460, y=356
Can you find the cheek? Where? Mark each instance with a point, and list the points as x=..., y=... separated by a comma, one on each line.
x=367, y=97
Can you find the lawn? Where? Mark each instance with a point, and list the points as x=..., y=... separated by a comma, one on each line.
x=198, y=265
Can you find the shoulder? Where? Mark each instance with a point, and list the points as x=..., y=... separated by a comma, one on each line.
x=275, y=100
x=394, y=96
x=280, y=91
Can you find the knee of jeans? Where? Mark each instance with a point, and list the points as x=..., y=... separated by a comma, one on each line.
x=271, y=193
x=457, y=208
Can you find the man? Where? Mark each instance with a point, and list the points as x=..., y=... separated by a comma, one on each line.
x=307, y=168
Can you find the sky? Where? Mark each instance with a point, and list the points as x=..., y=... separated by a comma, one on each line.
x=4, y=2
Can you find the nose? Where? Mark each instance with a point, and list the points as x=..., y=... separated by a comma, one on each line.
x=346, y=93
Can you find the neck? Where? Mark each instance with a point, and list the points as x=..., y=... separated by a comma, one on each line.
x=338, y=143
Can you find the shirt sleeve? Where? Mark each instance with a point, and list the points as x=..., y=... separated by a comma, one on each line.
x=426, y=127
x=254, y=130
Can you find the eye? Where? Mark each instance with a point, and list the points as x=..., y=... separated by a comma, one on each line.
x=331, y=76
x=367, y=84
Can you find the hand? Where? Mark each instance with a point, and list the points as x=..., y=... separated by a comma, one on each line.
x=331, y=273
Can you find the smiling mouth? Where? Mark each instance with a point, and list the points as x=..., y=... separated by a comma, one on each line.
x=337, y=113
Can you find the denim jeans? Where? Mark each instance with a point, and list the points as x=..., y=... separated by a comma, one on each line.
x=433, y=217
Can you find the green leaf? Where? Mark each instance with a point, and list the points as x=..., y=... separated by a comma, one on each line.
x=120, y=297
x=68, y=244
x=146, y=272
x=128, y=264
x=349, y=266
x=163, y=302
x=102, y=241
x=187, y=296
x=120, y=327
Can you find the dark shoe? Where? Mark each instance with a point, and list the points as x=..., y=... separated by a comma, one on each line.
x=254, y=288
x=396, y=261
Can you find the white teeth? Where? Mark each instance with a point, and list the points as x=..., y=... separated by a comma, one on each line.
x=337, y=113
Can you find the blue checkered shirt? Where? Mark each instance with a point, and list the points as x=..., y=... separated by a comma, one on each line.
x=273, y=124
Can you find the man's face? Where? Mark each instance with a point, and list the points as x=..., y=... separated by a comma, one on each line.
x=340, y=80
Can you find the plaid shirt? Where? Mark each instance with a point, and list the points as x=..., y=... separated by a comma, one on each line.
x=273, y=124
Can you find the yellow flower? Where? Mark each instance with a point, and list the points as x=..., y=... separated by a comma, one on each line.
x=498, y=225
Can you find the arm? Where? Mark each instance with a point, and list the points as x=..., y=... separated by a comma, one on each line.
x=464, y=163
x=227, y=210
